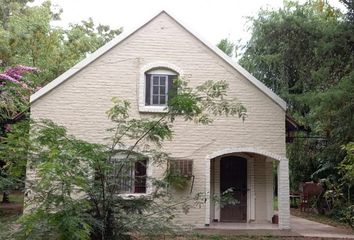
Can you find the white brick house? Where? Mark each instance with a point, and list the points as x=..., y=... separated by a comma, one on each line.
x=227, y=153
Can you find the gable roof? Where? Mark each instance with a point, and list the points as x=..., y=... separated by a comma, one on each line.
x=121, y=37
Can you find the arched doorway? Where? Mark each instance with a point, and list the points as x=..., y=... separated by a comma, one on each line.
x=240, y=167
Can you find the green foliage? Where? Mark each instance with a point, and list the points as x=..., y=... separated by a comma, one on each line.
x=349, y=4
x=28, y=38
x=177, y=181
x=8, y=8
x=348, y=216
x=13, y=100
x=76, y=189
x=304, y=52
x=13, y=151
x=347, y=165
x=227, y=47
x=204, y=102
x=298, y=48
x=302, y=160
x=175, y=178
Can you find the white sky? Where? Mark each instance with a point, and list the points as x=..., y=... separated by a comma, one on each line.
x=212, y=19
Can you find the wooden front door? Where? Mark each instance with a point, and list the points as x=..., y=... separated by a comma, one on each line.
x=233, y=174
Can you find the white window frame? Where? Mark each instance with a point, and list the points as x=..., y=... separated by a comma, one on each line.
x=132, y=179
x=149, y=173
x=155, y=68
x=148, y=184
x=159, y=94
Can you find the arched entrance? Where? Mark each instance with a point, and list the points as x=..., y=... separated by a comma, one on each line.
x=249, y=172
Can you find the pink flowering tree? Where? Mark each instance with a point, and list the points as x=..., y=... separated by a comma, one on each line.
x=14, y=93
x=14, y=102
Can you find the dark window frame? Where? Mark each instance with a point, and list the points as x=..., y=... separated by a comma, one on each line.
x=149, y=88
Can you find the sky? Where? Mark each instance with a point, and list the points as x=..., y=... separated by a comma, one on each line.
x=211, y=19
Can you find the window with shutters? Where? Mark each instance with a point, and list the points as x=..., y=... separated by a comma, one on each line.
x=180, y=173
x=159, y=86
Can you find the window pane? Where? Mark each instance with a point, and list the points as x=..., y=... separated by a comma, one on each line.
x=155, y=80
x=155, y=99
x=162, y=80
x=162, y=100
x=162, y=90
x=155, y=90
x=127, y=177
x=140, y=177
x=121, y=175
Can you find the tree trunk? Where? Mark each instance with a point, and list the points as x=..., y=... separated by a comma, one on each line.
x=5, y=197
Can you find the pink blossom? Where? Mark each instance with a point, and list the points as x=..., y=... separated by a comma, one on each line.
x=27, y=69
x=5, y=76
x=17, y=76
x=14, y=74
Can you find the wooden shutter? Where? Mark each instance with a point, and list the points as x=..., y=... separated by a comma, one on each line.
x=182, y=167
x=147, y=88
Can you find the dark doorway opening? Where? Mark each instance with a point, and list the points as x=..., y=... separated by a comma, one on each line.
x=233, y=174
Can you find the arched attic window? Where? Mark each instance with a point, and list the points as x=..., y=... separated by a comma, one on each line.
x=156, y=86
x=159, y=86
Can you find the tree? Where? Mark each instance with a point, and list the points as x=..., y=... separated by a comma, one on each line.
x=227, y=47
x=28, y=38
x=77, y=192
x=8, y=8
x=346, y=167
x=14, y=93
x=350, y=7
x=304, y=52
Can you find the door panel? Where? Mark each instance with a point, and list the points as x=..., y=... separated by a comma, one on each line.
x=233, y=174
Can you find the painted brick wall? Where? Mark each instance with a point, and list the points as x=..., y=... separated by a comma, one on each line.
x=263, y=190
x=81, y=103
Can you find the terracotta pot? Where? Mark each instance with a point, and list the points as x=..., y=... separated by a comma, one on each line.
x=275, y=219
